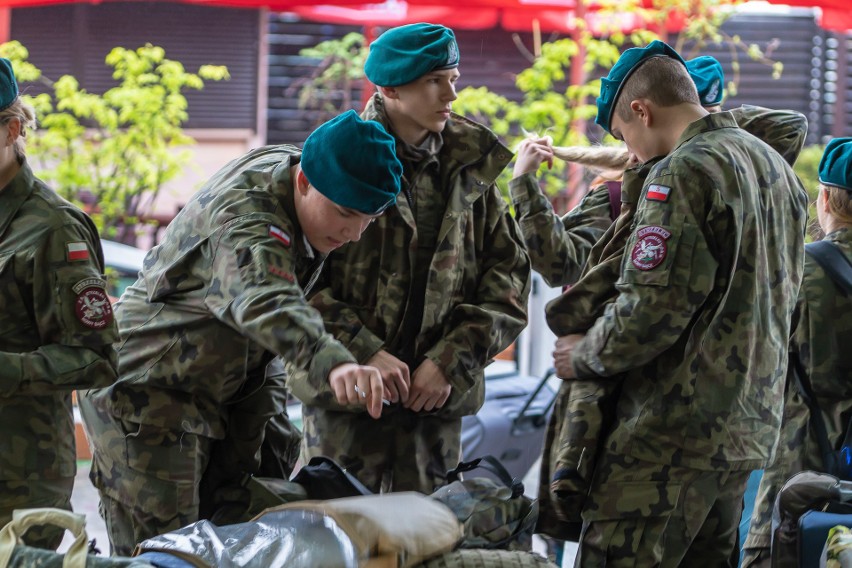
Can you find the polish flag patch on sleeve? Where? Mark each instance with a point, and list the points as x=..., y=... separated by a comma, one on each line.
x=280, y=235
x=77, y=251
x=658, y=192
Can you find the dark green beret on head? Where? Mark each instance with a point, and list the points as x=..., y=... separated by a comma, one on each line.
x=353, y=163
x=709, y=79
x=835, y=167
x=403, y=54
x=629, y=61
x=8, y=84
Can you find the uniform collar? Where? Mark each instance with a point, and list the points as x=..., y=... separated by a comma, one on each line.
x=712, y=121
x=285, y=190
x=14, y=195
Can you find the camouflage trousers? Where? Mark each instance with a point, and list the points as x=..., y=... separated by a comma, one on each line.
x=644, y=514
x=401, y=451
x=147, y=477
x=31, y=494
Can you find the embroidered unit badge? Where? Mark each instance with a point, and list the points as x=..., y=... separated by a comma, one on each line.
x=650, y=249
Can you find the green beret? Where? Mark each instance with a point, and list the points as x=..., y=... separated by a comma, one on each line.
x=8, y=85
x=629, y=61
x=353, y=163
x=835, y=167
x=403, y=54
x=709, y=79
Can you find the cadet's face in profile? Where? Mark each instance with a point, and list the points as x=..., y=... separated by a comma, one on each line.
x=424, y=104
x=326, y=224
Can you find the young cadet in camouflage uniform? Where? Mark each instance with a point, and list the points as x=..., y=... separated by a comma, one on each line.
x=575, y=426
x=821, y=338
x=215, y=302
x=434, y=289
x=698, y=330
x=56, y=325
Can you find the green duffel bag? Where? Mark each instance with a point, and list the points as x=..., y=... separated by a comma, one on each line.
x=15, y=554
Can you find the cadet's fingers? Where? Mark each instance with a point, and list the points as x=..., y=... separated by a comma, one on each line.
x=444, y=397
x=391, y=388
x=402, y=386
x=377, y=393
x=415, y=401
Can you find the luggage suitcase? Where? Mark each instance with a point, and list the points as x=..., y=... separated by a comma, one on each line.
x=512, y=421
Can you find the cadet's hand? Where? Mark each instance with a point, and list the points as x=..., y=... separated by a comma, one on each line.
x=562, y=355
x=357, y=384
x=430, y=388
x=395, y=375
x=531, y=153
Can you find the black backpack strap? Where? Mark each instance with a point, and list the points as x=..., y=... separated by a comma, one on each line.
x=834, y=262
x=493, y=465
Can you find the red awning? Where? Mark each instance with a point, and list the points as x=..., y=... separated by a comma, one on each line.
x=512, y=15
x=836, y=14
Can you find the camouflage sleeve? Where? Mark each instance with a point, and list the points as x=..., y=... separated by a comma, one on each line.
x=341, y=320
x=558, y=248
x=666, y=274
x=72, y=314
x=254, y=290
x=497, y=311
x=784, y=130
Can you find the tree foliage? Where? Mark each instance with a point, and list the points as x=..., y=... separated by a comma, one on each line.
x=112, y=153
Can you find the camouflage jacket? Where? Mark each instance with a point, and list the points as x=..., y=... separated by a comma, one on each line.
x=56, y=326
x=707, y=287
x=558, y=248
x=821, y=337
x=217, y=299
x=478, y=281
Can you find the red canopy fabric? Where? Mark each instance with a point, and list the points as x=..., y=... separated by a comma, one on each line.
x=512, y=15
x=836, y=14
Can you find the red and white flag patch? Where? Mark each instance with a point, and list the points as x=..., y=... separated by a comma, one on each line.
x=77, y=251
x=658, y=192
x=279, y=234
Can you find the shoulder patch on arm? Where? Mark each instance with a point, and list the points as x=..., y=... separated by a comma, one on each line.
x=92, y=306
x=650, y=249
x=78, y=250
x=280, y=235
x=658, y=192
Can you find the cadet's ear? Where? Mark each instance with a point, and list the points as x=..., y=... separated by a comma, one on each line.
x=642, y=111
x=302, y=183
x=14, y=126
x=389, y=92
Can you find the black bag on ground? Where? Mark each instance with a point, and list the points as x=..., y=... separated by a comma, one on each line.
x=495, y=514
x=323, y=478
